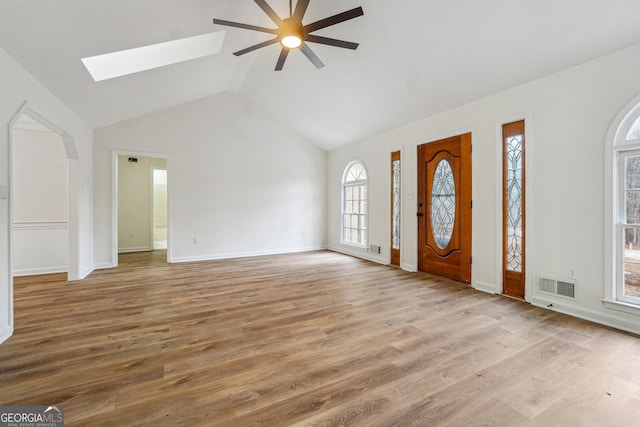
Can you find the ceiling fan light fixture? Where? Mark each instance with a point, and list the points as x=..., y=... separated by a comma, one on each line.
x=291, y=41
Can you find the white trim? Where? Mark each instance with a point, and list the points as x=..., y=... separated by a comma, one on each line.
x=363, y=254
x=6, y=333
x=135, y=249
x=40, y=225
x=486, y=287
x=622, y=306
x=615, y=322
x=82, y=274
x=102, y=266
x=232, y=255
x=39, y=271
x=408, y=267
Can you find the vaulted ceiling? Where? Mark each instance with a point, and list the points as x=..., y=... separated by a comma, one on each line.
x=416, y=57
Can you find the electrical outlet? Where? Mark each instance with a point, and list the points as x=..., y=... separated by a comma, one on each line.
x=131, y=235
x=196, y=240
x=572, y=273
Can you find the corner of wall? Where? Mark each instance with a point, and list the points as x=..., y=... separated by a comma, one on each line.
x=485, y=287
x=6, y=333
x=586, y=314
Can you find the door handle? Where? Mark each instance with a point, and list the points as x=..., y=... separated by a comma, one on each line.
x=419, y=214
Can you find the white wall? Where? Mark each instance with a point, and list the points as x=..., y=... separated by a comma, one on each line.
x=40, y=203
x=568, y=117
x=18, y=87
x=135, y=187
x=239, y=182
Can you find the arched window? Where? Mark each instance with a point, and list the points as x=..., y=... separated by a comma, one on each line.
x=623, y=249
x=354, y=205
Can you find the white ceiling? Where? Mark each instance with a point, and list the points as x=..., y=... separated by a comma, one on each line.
x=416, y=57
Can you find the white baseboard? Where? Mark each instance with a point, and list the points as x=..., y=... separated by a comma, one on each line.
x=230, y=255
x=359, y=253
x=408, y=267
x=6, y=333
x=86, y=272
x=586, y=314
x=103, y=266
x=485, y=287
x=139, y=249
x=42, y=270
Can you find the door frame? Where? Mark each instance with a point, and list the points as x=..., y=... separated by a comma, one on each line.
x=529, y=184
x=114, y=200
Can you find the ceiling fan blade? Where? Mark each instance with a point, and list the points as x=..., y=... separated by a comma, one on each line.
x=257, y=46
x=301, y=8
x=333, y=20
x=331, y=42
x=283, y=57
x=244, y=26
x=311, y=56
x=269, y=11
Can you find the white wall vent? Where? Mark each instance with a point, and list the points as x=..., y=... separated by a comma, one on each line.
x=557, y=287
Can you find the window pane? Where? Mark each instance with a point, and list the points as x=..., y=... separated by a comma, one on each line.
x=356, y=192
x=632, y=189
x=348, y=193
x=634, y=133
x=631, y=263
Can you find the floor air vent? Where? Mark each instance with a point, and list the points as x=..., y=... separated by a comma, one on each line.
x=557, y=287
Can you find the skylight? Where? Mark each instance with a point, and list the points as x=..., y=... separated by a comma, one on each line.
x=116, y=64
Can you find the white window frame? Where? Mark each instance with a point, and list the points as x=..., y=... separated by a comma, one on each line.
x=354, y=183
x=617, y=149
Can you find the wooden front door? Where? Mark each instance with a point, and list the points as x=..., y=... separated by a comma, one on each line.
x=444, y=208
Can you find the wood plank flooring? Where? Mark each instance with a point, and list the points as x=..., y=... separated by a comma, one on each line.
x=313, y=339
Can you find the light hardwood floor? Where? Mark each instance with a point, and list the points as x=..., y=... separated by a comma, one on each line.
x=313, y=339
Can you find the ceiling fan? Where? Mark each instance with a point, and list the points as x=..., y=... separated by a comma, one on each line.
x=291, y=33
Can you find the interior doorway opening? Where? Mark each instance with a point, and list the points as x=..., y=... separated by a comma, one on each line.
x=159, y=211
x=141, y=206
x=43, y=200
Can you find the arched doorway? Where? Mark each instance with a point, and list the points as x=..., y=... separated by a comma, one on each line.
x=26, y=125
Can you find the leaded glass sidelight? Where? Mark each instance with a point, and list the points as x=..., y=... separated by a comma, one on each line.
x=395, y=241
x=514, y=206
x=443, y=204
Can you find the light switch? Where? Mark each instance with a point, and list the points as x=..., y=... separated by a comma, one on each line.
x=4, y=192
